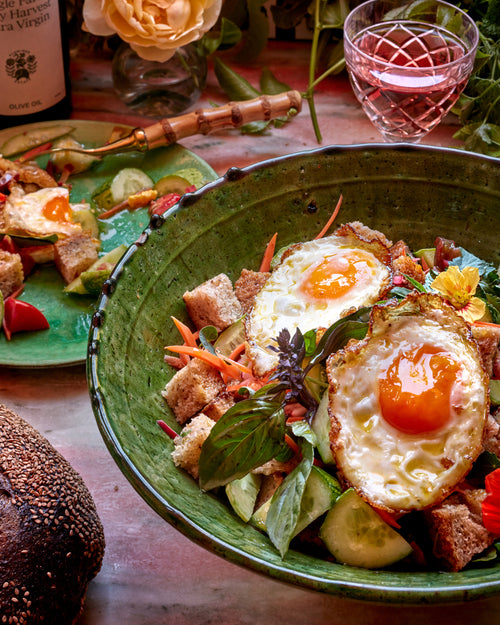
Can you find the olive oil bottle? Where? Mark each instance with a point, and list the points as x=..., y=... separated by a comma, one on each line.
x=34, y=62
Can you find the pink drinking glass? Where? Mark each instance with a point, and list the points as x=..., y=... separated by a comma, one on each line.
x=408, y=63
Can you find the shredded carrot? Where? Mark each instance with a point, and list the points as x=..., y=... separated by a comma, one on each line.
x=268, y=254
x=34, y=152
x=185, y=332
x=223, y=364
x=114, y=210
x=292, y=444
x=331, y=220
x=486, y=324
x=237, y=351
x=388, y=518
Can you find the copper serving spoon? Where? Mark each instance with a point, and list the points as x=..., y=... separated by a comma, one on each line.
x=170, y=130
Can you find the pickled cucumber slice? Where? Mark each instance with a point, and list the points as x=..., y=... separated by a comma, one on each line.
x=77, y=287
x=229, y=339
x=355, y=534
x=320, y=494
x=128, y=181
x=242, y=495
x=86, y=218
x=321, y=427
x=171, y=184
x=495, y=392
x=25, y=141
x=78, y=162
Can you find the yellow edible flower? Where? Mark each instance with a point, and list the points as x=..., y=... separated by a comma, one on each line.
x=458, y=287
x=153, y=28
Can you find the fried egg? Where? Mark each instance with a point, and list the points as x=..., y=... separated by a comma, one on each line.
x=39, y=214
x=408, y=404
x=315, y=284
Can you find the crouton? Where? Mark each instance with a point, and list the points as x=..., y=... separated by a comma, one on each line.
x=456, y=529
x=363, y=232
x=213, y=303
x=248, y=285
x=192, y=388
x=74, y=254
x=11, y=273
x=186, y=454
x=406, y=266
x=487, y=339
x=219, y=406
x=492, y=433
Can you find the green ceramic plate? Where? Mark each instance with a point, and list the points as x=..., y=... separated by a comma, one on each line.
x=69, y=316
x=413, y=192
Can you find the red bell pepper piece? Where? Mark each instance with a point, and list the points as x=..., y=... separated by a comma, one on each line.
x=21, y=316
x=491, y=504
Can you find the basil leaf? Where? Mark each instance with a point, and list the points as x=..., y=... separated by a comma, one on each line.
x=208, y=335
x=245, y=437
x=353, y=326
x=418, y=286
x=284, y=510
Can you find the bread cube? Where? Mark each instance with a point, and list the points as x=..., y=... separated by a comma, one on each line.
x=74, y=255
x=192, y=388
x=11, y=273
x=213, y=303
x=186, y=454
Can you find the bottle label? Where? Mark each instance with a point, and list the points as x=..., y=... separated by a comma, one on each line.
x=31, y=61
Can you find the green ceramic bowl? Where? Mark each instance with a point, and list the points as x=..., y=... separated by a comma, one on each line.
x=415, y=193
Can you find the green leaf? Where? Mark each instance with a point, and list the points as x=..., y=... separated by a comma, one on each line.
x=235, y=86
x=353, y=326
x=255, y=39
x=270, y=85
x=247, y=435
x=227, y=36
x=285, y=505
x=208, y=335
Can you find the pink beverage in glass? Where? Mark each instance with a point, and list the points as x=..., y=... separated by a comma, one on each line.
x=407, y=73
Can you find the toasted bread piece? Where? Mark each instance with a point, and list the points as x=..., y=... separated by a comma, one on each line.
x=213, y=303
x=456, y=529
x=11, y=273
x=248, y=285
x=188, y=446
x=192, y=388
x=74, y=255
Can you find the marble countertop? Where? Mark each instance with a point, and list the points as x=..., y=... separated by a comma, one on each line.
x=152, y=574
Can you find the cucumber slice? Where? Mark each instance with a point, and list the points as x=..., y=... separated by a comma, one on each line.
x=112, y=257
x=356, y=535
x=259, y=517
x=229, y=339
x=242, y=495
x=495, y=392
x=321, y=427
x=24, y=141
x=320, y=494
x=171, y=184
x=193, y=176
x=86, y=218
x=427, y=254
x=128, y=181
x=78, y=162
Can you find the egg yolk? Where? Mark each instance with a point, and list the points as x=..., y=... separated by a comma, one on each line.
x=415, y=389
x=335, y=275
x=57, y=209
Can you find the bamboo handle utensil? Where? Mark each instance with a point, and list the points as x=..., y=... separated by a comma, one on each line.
x=170, y=130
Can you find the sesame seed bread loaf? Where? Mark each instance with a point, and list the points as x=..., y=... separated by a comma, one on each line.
x=51, y=538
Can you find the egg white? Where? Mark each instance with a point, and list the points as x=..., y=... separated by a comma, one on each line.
x=281, y=303
x=392, y=469
x=23, y=214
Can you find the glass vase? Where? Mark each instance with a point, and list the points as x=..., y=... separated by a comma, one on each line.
x=159, y=89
